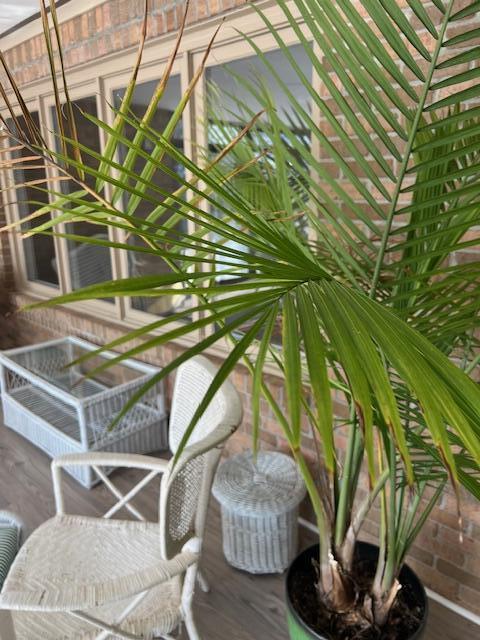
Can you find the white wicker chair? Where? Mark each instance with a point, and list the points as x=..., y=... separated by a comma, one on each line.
x=80, y=577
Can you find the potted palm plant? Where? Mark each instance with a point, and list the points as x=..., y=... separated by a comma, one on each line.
x=360, y=302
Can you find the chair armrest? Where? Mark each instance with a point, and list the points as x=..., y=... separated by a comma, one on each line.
x=101, y=459
x=105, y=459
x=87, y=597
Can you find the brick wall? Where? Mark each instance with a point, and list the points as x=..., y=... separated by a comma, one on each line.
x=110, y=27
x=7, y=326
x=6, y=267
x=467, y=24
x=444, y=564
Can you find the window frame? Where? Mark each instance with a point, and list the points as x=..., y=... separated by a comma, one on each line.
x=112, y=72
x=221, y=54
x=32, y=287
x=88, y=88
x=148, y=72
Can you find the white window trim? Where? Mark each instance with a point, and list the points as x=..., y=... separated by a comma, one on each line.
x=110, y=74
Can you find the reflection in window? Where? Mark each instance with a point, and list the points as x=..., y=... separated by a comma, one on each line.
x=39, y=250
x=142, y=264
x=231, y=103
x=235, y=104
x=89, y=263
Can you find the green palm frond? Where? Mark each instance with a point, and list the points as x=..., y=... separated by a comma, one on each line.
x=279, y=250
x=353, y=271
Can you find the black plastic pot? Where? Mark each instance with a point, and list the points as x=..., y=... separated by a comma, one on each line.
x=299, y=629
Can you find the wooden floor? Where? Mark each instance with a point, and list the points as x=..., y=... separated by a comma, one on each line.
x=239, y=606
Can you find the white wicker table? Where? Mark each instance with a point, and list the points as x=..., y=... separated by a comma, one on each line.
x=58, y=410
x=259, y=510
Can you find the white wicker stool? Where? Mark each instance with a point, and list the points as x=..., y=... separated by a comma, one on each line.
x=259, y=510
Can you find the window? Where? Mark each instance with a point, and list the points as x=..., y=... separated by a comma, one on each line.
x=231, y=103
x=238, y=103
x=39, y=250
x=88, y=263
x=144, y=264
x=44, y=260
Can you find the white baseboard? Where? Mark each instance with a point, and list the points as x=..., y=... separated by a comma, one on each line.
x=453, y=606
x=433, y=595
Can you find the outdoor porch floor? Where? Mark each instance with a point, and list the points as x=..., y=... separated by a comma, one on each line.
x=239, y=606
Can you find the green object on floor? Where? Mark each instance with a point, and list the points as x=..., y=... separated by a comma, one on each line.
x=296, y=631
x=8, y=549
x=11, y=529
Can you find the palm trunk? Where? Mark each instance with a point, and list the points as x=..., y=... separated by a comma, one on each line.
x=334, y=588
x=381, y=603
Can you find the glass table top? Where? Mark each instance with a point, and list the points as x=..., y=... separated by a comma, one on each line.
x=53, y=363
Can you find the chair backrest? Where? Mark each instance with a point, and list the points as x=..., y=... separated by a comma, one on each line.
x=186, y=487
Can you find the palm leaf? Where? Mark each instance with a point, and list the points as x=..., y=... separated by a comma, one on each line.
x=359, y=268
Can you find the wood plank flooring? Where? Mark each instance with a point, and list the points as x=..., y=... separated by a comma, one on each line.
x=239, y=607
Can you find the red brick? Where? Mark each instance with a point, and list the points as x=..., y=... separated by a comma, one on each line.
x=420, y=554
x=170, y=19
x=214, y=6
x=99, y=17
x=201, y=9
x=450, y=536
x=431, y=577
x=460, y=575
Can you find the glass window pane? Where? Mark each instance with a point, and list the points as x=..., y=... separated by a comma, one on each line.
x=39, y=250
x=235, y=103
x=231, y=103
x=89, y=263
x=141, y=264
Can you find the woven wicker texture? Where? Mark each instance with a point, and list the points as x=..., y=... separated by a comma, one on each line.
x=259, y=510
x=11, y=533
x=8, y=549
x=69, y=558
x=270, y=486
x=184, y=494
x=191, y=384
x=53, y=406
x=75, y=573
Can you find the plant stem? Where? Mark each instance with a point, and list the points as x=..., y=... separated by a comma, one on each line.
x=410, y=530
x=325, y=481
x=348, y=545
x=401, y=500
x=345, y=484
x=376, y=587
x=390, y=565
x=322, y=521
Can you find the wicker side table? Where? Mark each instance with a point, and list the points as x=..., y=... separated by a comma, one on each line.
x=60, y=411
x=259, y=511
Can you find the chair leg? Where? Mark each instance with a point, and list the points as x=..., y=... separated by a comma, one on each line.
x=191, y=577
x=203, y=582
x=190, y=625
x=7, y=631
